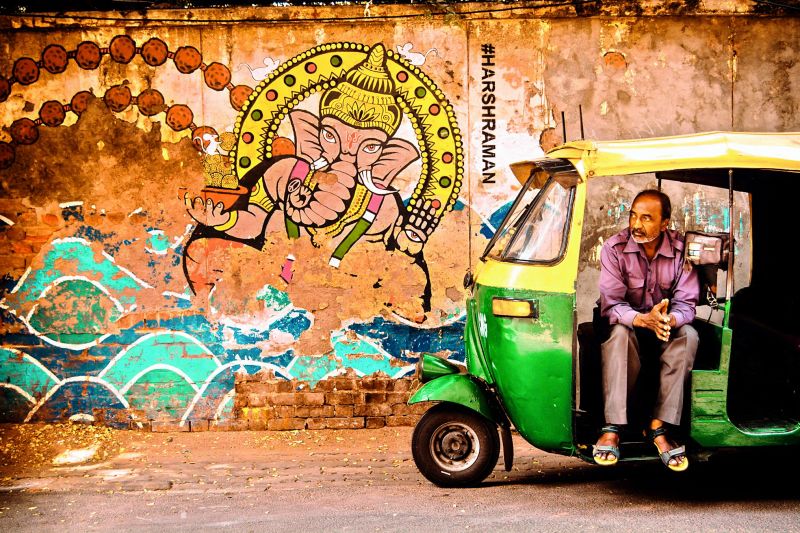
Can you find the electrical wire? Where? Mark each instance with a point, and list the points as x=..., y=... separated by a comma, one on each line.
x=529, y=7
x=777, y=4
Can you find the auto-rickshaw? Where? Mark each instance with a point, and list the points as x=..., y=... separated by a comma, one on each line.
x=531, y=367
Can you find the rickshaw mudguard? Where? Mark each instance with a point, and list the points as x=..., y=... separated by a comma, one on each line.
x=460, y=389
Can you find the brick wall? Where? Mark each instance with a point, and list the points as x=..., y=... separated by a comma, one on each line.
x=341, y=402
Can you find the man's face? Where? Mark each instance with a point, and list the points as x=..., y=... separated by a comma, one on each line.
x=645, y=220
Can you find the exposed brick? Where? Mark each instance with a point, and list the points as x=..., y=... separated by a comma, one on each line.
x=309, y=398
x=393, y=398
x=372, y=409
x=340, y=398
x=283, y=411
x=317, y=423
x=400, y=385
x=345, y=423
x=283, y=424
x=255, y=400
x=256, y=424
x=316, y=411
x=281, y=385
x=228, y=425
x=344, y=383
x=280, y=398
x=374, y=397
x=401, y=420
x=405, y=409
x=375, y=422
x=196, y=426
x=343, y=411
x=371, y=383
x=169, y=426
x=326, y=385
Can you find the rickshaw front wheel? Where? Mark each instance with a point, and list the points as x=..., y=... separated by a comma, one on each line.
x=454, y=446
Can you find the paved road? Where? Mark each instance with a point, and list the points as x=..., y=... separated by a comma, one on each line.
x=365, y=480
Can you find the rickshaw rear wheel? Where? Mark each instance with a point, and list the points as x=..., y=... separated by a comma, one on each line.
x=454, y=446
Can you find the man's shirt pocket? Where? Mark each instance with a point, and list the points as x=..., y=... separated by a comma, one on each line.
x=635, y=292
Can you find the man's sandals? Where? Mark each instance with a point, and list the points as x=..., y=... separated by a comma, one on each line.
x=675, y=453
x=611, y=453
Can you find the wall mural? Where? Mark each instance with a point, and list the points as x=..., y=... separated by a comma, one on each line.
x=345, y=146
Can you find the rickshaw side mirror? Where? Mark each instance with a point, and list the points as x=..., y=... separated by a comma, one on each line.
x=469, y=280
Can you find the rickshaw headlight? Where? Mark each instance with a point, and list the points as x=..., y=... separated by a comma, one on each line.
x=430, y=367
x=515, y=308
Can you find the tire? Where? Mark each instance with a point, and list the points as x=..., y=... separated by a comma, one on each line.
x=454, y=446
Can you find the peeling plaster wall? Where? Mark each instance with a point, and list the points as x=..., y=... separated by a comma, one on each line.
x=119, y=302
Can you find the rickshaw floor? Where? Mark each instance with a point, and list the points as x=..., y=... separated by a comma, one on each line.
x=768, y=425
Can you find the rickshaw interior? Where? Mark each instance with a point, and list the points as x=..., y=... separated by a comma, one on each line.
x=764, y=363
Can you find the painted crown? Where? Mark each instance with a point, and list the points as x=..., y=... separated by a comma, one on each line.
x=365, y=99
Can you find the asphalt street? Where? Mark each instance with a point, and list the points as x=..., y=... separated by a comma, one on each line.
x=365, y=480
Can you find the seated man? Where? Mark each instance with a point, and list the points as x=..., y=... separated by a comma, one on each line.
x=649, y=300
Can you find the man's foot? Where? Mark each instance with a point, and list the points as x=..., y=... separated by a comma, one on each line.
x=606, y=451
x=672, y=455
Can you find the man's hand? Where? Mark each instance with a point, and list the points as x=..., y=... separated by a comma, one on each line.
x=658, y=320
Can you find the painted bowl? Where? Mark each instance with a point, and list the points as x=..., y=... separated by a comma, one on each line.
x=228, y=197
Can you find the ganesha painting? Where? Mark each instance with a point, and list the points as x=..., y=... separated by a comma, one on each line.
x=334, y=182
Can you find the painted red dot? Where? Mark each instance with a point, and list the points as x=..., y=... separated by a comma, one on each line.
x=311, y=68
x=447, y=157
x=402, y=76
x=435, y=204
x=434, y=109
x=247, y=137
x=272, y=95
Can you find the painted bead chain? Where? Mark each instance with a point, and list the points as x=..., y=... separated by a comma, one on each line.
x=122, y=49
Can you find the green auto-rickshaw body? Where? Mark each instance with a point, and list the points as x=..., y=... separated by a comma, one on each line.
x=526, y=355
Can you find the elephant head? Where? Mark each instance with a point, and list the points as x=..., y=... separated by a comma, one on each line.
x=351, y=141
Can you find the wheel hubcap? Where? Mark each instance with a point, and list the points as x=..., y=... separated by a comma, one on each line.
x=454, y=446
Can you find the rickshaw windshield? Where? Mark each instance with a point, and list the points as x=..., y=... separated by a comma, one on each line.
x=535, y=229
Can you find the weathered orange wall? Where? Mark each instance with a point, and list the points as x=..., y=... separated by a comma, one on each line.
x=98, y=157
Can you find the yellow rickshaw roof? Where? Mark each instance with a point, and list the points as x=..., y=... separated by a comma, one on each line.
x=700, y=150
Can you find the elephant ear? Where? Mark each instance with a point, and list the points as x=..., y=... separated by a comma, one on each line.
x=397, y=154
x=306, y=134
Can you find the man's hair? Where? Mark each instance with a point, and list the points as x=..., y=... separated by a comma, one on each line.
x=666, y=205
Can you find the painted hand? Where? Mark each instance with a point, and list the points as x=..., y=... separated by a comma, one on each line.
x=205, y=212
x=412, y=236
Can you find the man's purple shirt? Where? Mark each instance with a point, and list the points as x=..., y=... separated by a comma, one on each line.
x=630, y=284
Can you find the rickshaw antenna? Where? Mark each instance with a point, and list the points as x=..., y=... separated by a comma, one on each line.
x=563, y=127
x=580, y=116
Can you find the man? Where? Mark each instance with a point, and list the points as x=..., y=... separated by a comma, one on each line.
x=649, y=300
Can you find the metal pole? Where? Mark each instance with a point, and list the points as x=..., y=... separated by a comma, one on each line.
x=563, y=127
x=729, y=281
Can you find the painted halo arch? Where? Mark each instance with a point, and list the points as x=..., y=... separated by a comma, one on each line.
x=321, y=68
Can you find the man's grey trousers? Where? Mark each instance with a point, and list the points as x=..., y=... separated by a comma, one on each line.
x=621, y=366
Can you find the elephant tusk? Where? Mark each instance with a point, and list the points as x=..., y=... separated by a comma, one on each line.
x=319, y=163
x=366, y=179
